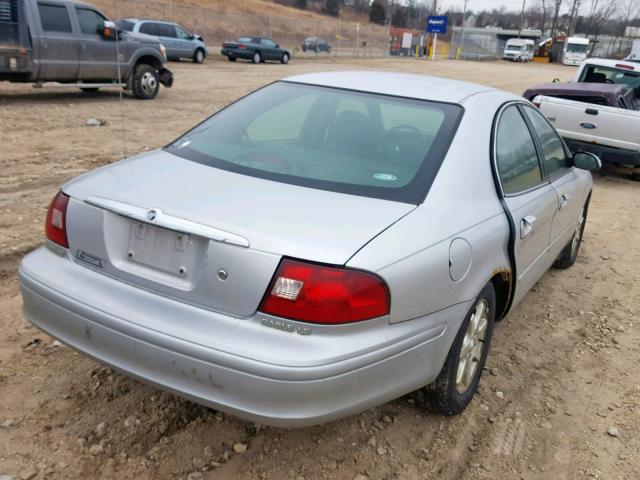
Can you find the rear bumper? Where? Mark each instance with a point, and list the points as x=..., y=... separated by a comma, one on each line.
x=230, y=52
x=249, y=370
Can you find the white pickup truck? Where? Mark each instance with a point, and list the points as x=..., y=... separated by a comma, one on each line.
x=599, y=112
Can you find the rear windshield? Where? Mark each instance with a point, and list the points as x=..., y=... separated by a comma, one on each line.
x=326, y=138
x=602, y=74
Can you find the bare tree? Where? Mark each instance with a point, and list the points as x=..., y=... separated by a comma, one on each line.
x=573, y=16
x=599, y=15
x=543, y=19
x=557, y=4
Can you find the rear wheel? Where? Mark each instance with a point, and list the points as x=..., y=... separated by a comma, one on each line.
x=458, y=380
x=145, y=82
x=198, y=56
x=570, y=252
x=285, y=58
x=257, y=58
x=231, y=59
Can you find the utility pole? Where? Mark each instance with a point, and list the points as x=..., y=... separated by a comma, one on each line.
x=464, y=15
x=521, y=18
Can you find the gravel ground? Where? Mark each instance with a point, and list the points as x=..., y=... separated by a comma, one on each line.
x=560, y=397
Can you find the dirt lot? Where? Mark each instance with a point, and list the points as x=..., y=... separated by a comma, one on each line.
x=560, y=397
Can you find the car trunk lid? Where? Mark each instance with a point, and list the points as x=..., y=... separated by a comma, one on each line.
x=207, y=236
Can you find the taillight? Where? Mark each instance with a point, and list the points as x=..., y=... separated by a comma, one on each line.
x=55, y=226
x=626, y=67
x=322, y=294
x=242, y=47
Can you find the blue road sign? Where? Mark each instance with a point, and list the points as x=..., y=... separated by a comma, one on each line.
x=437, y=24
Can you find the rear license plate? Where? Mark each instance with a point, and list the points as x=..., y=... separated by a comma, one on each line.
x=159, y=248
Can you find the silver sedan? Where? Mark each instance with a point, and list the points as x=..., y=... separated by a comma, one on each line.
x=323, y=245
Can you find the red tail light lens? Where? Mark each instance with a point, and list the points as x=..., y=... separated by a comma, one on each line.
x=242, y=47
x=55, y=226
x=322, y=294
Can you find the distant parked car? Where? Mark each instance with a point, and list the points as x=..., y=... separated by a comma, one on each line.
x=316, y=44
x=256, y=49
x=179, y=42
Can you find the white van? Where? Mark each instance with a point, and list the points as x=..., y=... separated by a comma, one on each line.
x=518, y=50
x=575, y=50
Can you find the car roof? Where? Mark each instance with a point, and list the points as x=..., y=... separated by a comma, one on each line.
x=136, y=20
x=578, y=88
x=607, y=62
x=422, y=87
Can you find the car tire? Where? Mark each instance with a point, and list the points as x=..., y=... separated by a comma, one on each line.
x=569, y=253
x=328, y=49
x=231, y=59
x=145, y=83
x=90, y=90
x=304, y=48
x=451, y=392
x=285, y=58
x=257, y=58
x=198, y=56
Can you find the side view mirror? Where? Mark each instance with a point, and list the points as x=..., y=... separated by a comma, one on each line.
x=587, y=161
x=108, y=30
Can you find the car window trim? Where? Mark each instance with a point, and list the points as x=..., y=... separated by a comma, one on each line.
x=552, y=177
x=361, y=190
x=494, y=152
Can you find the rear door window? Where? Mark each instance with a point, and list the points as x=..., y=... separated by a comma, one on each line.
x=516, y=155
x=166, y=30
x=54, y=18
x=555, y=159
x=150, y=28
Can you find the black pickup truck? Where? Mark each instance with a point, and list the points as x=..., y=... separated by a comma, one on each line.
x=74, y=43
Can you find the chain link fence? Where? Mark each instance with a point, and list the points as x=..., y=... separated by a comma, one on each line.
x=348, y=39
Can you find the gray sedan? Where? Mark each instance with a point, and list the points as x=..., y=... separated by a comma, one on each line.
x=326, y=244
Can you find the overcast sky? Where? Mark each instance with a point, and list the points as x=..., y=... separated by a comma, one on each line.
x=477, y=5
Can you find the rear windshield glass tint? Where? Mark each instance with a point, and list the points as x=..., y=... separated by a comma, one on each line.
x=344, y=141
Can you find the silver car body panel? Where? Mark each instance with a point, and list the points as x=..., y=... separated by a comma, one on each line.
x=203, y=338
x=238, y=366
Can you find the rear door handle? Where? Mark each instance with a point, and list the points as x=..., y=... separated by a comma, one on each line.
x=591, y=111
x=526, y=225
x=588, y=125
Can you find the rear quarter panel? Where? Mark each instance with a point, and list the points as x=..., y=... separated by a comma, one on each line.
x=413, y=255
